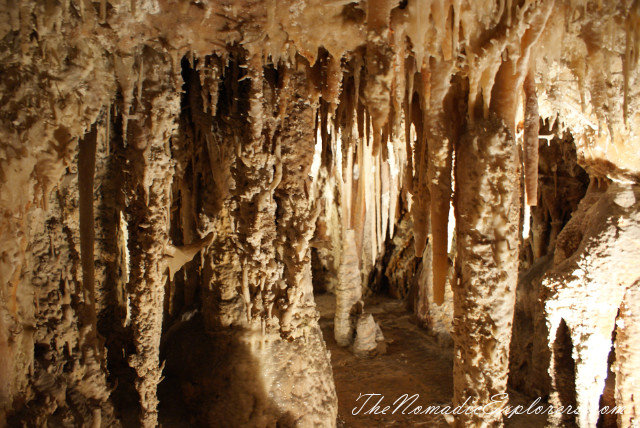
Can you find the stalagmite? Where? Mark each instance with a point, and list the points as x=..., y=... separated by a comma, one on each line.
x=348, y=291
x=365, y=340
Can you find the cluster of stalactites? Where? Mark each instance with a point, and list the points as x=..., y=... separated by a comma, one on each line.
x=392, y=111
x=391, y=100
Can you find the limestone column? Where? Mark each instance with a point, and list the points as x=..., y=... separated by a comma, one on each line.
x=627, y=365
x=149, y=200
x=487, y=218
x=594, y=266
x=266, y=350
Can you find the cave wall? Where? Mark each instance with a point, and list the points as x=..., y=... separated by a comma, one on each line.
x=159, y=171
x=581, y=275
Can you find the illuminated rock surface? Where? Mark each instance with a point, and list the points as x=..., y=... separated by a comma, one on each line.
x=178, y=177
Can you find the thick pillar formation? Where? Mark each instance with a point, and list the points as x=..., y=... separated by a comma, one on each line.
x=57, y=302
x=312, y=401
x=47, y=106
x=260, y=321
x=585, y=292
x=487, y=219
x=627, y=366
x=297, y=201
x=150, y=128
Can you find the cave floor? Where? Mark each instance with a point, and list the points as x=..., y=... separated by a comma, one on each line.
x=414, y=363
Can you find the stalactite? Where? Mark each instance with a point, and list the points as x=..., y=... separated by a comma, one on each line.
x=420, y=190
x=86, y=171
x=531, y=129
x=440, y=148
x=187, y=227
x=385, y=205
x=632, y=53
x=148, y=218
x=179, y=256
x=511, y=74
x=378, y=59
x=394, y=185
x=377, y=197
x=123, y=69
x=367, y=178
x=111, y=256
x=358, y=210
x=408, y=120
x=347, y=190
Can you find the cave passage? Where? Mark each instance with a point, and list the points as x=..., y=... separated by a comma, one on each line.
x=311, y=213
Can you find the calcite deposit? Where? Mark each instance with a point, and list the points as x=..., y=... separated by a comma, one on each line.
x=177, y=178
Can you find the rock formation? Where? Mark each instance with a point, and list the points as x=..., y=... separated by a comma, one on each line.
x=175, y=175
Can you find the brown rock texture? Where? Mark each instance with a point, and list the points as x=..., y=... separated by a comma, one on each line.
x=177, y=177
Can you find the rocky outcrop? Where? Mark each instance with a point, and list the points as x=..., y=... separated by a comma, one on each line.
x=590, y=263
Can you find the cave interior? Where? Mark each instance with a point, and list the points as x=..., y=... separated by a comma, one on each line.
x=249, y=213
